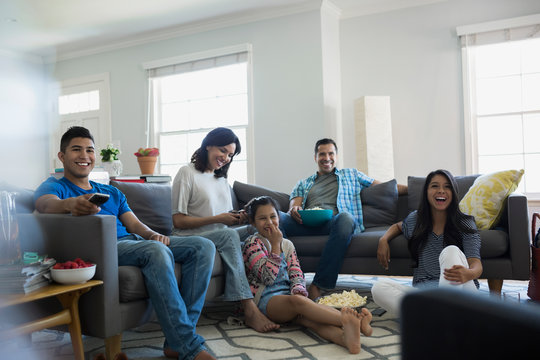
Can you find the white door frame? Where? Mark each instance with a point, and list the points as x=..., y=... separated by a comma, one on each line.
x=98, y=82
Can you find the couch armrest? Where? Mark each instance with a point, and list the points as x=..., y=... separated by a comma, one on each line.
x=92, y=238
x=518, y=233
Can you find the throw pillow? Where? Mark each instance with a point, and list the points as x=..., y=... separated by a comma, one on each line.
x=379, y=204
x=245, y=192
x=486, y=197
x=150, y=202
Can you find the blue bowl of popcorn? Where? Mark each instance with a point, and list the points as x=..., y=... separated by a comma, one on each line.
x=315, y=217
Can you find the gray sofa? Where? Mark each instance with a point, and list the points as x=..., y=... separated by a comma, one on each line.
x=122, y=303
x=505, y=249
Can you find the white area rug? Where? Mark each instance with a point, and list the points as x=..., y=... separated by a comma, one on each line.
x=237, y=342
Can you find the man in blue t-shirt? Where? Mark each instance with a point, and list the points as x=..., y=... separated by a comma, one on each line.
x=138, y=245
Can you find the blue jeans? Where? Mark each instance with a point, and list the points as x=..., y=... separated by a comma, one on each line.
x=178, y=310
x=227, y=243
x=340, y=229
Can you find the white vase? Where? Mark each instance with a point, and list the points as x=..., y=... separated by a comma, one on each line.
x=114, y=168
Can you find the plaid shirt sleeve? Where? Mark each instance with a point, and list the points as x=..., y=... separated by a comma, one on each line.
x=351, y=183
x=302, y=187
x=299, y=190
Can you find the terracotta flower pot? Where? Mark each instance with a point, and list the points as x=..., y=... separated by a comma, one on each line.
x=147, y=164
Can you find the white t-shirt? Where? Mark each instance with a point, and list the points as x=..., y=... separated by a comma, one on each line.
x=201, y=195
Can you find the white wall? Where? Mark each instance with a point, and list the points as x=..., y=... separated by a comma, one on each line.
x=24, y=130
x=331, y=75
x=287, y=89
x=413, y=56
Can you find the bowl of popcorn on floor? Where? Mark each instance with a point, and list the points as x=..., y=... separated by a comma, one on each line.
x=342, y=299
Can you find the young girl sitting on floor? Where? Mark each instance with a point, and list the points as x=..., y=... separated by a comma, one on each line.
x=278, y=284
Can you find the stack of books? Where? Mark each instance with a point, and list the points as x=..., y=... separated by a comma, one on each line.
x=22, y=278
x=149, y=178
x=98, y=175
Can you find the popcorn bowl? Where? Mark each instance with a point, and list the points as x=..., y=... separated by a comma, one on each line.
x=315, y=217
x=73, y=276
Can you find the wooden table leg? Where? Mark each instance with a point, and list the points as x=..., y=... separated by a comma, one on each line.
x=495, y=286
x=112, y=346
x=71, y=301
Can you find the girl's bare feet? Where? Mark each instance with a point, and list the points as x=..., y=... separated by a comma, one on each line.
x=255, y=319
x=351, y=329
x=365, y=321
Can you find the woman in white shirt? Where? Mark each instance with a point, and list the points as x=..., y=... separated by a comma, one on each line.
x=202, y=205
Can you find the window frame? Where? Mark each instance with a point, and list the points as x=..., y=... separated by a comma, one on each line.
x=152, y=129
x=468, y=61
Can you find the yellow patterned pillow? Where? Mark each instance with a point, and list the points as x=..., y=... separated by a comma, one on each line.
x=485, y=199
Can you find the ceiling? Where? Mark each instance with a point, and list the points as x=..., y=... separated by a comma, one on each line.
x=41, y=27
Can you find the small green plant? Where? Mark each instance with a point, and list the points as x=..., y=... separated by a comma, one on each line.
x=110, y=153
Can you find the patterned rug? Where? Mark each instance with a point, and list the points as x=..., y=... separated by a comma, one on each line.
x=228, y=340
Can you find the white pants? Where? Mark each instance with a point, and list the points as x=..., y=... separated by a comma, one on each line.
x=389, y=293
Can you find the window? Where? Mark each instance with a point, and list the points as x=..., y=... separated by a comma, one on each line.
x=189, y=99
x=76, y=103
x=84, y=102
x=502, y=101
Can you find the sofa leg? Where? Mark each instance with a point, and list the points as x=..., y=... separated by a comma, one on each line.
x=495, y=286
x=112, y=346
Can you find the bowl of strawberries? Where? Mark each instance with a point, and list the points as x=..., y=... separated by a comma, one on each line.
x=71, y=272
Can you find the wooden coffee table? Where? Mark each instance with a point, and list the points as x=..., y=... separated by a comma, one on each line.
x=68, y=295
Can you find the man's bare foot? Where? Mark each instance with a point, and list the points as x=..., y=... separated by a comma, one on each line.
x=365, y=322
x=351, y=329
x=204, y=355
x=170, y=353
x=314, y=292
x=256, y=320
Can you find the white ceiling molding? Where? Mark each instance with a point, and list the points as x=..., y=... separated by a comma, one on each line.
x=353, y=8
x=185, y=29
x=66, y=46
x=329, y=6
x=30, y=58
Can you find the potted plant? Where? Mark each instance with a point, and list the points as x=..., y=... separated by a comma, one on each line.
x=147, y=159
x=110, y=161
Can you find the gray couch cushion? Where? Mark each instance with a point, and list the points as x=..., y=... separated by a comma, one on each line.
x=415, y=185
x=131, y=282
x=494, y=243
x=150, y=202
x=379, y=204
x=366, y=243
x=246, y=192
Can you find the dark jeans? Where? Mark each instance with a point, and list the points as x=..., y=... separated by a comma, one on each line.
x=340, y=229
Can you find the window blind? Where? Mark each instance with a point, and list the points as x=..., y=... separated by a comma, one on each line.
x=527, y=27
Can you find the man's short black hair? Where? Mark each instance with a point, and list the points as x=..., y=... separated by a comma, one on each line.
x=74, y=132
x=324, y=142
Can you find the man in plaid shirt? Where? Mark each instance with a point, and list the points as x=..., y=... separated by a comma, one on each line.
x=329, y=188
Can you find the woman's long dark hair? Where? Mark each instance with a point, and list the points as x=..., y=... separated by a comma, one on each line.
x=218, y=137
x=455, y=220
